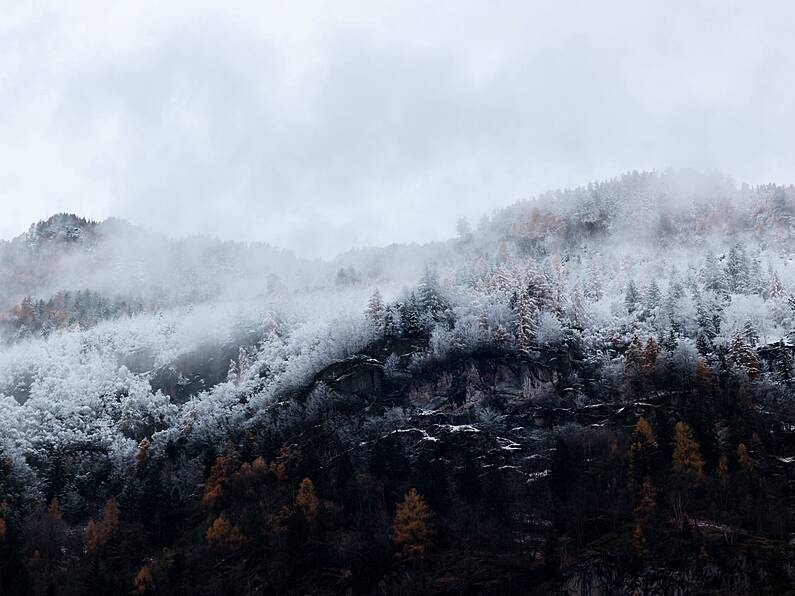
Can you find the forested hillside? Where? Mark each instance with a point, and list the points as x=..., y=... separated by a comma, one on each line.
x=590, y=392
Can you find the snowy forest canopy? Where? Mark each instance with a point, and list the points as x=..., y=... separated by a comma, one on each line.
x=120, y=346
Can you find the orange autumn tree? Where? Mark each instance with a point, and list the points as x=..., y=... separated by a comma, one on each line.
x=706, y=379
x=143, y=582
x=214, y=487
x=744, y=459
x=54, y=508
x=649, y=362
x=223, y=535
x=640, y=453
x=687, y=458
x=306, y=500
x=99, y=533
x=143, y=450
x=411, y=527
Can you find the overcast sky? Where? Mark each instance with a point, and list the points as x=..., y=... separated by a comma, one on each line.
x=323, y=126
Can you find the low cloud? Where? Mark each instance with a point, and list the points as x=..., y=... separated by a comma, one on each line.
x=320, y=130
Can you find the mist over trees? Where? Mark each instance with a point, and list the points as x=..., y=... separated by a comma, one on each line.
x=580, y=390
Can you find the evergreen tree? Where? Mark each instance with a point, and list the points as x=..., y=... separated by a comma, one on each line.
x=737, y=270
x=653, y=298
x=410, y=318
x=633, y=367
x=756, y=284
x=783, y=362
x=712, y=275
x=703, y=344
x=592, y=282
x=577, y=312
x=525, y=318
x=775, y=289
x=429, y=295
x=631, y=297
x=670, y=342
x=375, y=312
x=750, y=334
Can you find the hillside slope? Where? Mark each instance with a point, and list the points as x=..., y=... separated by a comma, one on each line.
x=590, y=392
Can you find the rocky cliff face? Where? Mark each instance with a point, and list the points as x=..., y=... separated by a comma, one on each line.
x=540, y=479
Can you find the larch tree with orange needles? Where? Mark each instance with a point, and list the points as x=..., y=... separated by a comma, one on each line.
x=412, y=525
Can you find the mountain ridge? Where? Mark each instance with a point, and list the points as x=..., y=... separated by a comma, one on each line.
x=592, y=393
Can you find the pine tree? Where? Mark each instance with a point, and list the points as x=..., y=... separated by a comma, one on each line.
x=411, y=528
x=669, y=342
x=375, y=312
x=577, y=312
x=592, y=283
x=429, y=295
x=631, y=297
x=706, y=321
x=775, y=289
x=784, y=366
x=500, y=336
x=737, y=270
x=410, y=318
x=703, y=344
x=676, y=290
x=756, y=283
x=712, y=275
x=633, y=366
x=653, y=298
x=483, y=326
x=750, y=334
x=392, y=324
x=525, y=316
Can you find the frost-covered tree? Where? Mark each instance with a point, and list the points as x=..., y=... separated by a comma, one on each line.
x=375, y=312
x=525, y=320
x=737, y=270
x=631, y=297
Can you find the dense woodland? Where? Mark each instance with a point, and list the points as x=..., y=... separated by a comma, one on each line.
x=589, y=392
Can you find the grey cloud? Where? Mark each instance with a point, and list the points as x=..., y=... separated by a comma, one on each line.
x=319, y=132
